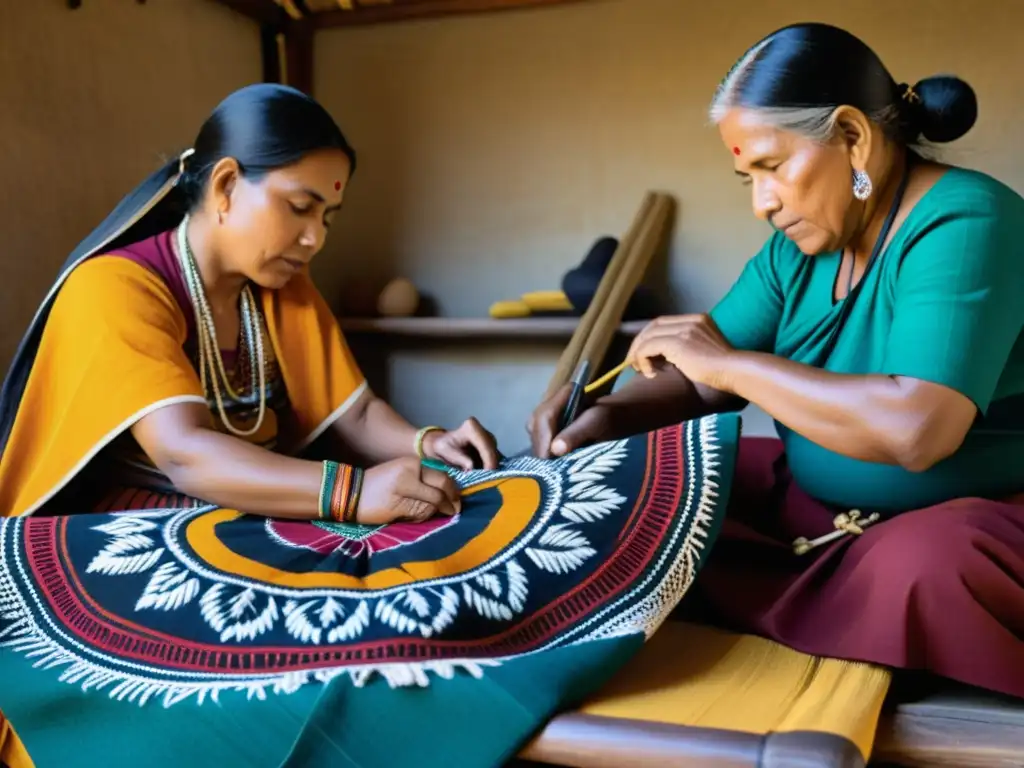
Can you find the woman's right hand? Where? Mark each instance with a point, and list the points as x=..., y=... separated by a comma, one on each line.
x=403, y=490
x=591, y=425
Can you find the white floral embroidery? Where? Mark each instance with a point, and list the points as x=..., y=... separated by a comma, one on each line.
x=497, y=591
x=144, y=550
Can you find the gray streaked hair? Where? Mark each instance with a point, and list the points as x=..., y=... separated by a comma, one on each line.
x=798, y=76
x=817, y=123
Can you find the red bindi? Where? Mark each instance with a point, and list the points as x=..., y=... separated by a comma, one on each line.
x=736, y=150
x=337, y=184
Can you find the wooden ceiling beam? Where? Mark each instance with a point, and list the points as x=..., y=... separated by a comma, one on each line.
x=261, y=11
x=378, y=14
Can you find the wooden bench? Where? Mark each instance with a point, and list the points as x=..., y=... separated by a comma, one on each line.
x=925, y=723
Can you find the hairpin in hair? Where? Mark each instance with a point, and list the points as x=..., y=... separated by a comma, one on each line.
x=910, y=95
x=182, y=158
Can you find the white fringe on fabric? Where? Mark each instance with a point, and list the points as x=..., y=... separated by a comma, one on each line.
x=139, y=690
x=586, y=500
x=629, y=615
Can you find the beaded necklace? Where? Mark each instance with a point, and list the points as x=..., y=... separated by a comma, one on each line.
x=211, y=365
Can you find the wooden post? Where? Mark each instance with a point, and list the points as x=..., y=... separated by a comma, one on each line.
x=270, y=53
x=298, y=46
x=287, y=50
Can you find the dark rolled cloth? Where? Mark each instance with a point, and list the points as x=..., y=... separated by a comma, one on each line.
x=580, y=284
x=939, y=589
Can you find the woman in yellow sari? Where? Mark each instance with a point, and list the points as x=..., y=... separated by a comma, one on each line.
x=196, y=360
x=273, y=558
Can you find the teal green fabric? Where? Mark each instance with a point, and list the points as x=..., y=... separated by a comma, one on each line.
x=196, y=636
x=944, y=304
x=150, y=735
x=492, y=718
x=370, y=727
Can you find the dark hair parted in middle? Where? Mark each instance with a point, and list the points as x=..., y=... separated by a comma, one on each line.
x=800, y=74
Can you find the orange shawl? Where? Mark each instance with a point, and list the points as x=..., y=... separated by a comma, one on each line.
x=111, y=352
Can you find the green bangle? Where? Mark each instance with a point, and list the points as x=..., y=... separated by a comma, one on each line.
x=327, y=482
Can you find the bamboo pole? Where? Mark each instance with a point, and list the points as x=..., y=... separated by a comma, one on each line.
x=571, y=355
x=645, y=246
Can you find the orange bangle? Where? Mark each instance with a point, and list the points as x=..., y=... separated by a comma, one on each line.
x=339, y=496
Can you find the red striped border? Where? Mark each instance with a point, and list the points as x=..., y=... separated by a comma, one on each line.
x=658, y=501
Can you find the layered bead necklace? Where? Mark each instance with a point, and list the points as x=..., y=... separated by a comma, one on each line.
x=211, y=365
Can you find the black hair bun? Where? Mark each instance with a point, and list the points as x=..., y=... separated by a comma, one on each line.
x=941, y=108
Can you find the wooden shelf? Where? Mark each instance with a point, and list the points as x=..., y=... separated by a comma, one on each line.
x=519, y=328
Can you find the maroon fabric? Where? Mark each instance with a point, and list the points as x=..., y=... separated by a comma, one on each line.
x=938, y=589
x=157, y=254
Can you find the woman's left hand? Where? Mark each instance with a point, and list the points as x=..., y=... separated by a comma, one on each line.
x=692, y=343
x=453, y=447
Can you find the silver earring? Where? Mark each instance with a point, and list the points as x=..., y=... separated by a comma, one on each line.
x=862, y=186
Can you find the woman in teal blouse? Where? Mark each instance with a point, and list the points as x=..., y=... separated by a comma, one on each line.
x=880, y=326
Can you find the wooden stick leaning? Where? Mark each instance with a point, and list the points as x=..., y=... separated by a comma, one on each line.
x=571, y=354
x=638, y=260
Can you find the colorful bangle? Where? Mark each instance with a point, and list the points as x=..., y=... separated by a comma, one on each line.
x=340, y=486
x=340, y=492
x=352, y=503
x=328, y=479
x=418, y=442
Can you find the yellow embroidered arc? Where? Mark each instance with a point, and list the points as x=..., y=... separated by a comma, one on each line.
x=520, y=500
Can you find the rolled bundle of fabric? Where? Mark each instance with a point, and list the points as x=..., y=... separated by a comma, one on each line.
x=580, y=284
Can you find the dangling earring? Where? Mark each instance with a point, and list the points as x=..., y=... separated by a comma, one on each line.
x=862, y=186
